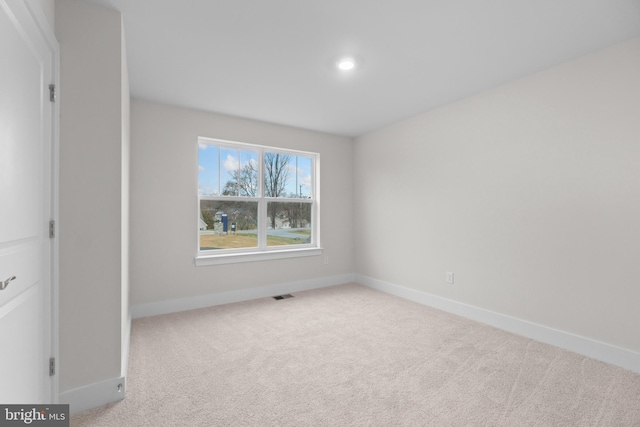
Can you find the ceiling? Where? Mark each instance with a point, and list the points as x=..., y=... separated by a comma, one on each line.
x=274, y=60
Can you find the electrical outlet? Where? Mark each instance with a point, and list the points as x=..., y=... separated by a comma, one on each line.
x=326, y=260
x=449, y=277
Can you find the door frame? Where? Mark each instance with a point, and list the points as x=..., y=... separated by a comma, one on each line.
x=48, y=36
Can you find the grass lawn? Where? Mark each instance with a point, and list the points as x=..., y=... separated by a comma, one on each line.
x=228, y=241
x=232, y=241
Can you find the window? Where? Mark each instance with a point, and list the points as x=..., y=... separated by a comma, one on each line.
x=255, y=202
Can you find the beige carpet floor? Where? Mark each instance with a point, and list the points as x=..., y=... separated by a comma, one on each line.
x=352, y=356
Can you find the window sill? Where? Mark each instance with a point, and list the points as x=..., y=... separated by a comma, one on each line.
x=202, y=260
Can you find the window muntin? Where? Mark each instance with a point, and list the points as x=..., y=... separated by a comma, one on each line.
x=240, y=213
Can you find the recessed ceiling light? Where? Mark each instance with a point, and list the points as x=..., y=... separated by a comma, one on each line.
x=346, y=64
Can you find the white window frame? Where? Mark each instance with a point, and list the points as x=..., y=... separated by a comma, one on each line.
x=262, y=252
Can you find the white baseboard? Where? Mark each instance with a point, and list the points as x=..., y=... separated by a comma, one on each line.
x=183, y=304
x=94, y=395
x=587, y=347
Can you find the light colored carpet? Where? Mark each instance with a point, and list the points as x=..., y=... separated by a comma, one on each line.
x=352, y=356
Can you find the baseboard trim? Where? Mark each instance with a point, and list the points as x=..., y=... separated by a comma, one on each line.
x=94, y=395
x=184, y=304
x=604, y=352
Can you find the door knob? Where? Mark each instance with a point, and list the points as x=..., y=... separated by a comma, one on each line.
x=4, y=284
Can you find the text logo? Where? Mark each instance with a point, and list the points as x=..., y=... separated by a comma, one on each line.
x=34, y=415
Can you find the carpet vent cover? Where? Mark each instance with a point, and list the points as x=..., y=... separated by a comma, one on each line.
x=285, y=296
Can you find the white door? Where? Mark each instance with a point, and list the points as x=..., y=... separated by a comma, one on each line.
x=26, y=70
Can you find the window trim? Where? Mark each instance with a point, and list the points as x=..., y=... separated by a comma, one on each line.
x=230, y=258
x=262, y=252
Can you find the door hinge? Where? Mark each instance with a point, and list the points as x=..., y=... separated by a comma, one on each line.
x=52, y=229
x=52, y=92
x=52, y=366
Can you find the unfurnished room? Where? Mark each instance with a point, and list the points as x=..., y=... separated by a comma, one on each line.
x=336, y=213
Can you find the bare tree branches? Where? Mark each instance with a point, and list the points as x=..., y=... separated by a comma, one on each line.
x=276, y=173
x=244, y=182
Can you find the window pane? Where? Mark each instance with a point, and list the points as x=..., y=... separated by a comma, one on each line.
x=208, y=170
x=299, y=186
x=248, y=173
x=288, y=223
x=228, y=225
x=229, y=166
x=277, y=174
x=240, y=172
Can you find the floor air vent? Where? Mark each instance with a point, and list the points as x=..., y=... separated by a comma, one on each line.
x=285, y=296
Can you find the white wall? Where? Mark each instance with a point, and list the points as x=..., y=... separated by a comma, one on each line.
x=164, y=158
x=529, y=193
x=49, y=9
x=125, y=183
x=92, y=178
